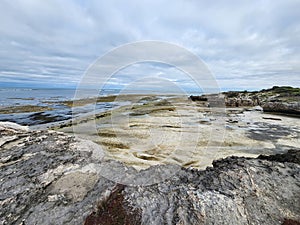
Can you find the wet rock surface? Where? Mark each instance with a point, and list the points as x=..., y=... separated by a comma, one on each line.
x=48, y=177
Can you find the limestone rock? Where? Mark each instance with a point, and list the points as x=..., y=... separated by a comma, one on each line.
x=46, y=179
x=282, y=107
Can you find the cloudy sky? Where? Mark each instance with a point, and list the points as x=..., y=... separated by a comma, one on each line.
x=246, y=44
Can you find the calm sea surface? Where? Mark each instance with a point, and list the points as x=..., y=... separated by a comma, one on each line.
x=18, y=98
x=52, y=98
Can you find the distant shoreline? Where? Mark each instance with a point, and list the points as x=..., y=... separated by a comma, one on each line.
x=45, y=106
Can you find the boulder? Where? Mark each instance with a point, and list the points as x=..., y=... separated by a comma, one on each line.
x=282, y=107
x=198, y=98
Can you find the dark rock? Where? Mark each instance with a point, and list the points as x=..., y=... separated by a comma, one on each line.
x=198, y=98
x=231, y=120
x=206, y=121
x=292, y=156
x=209, y=100
x=282, y=107
x=277, y=99
x=290, y=222
x=50, y=178
x=271, y=118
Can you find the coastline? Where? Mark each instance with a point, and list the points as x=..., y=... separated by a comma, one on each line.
x=146, y=135
x=147, y=130
x=131, y=163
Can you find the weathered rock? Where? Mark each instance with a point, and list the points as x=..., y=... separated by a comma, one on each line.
x=46, y=180
x=242, y=101
x=13, y=126
x=282, y=107
x=50, y=178
x=276, y=99
x=292, y=156
x=198, y=98
x=210, y=100
x=234, y=191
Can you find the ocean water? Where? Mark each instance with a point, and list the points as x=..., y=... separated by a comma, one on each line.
x=52, y=98
x=27, y=96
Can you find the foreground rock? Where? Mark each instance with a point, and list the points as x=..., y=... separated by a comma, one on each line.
x=50, y=178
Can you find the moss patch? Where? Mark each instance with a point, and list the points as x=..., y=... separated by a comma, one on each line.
x=151, y=107
x=82, y=102
x=24, y=109
x=106, y=133
x=114, y=210
x=111, y=144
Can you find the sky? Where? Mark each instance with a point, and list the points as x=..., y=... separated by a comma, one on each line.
x=247, y=45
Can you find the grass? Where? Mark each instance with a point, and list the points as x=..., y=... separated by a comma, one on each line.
x=284, y=93
x=283, y=90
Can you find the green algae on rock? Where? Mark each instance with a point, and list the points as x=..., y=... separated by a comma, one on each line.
x=24, y=109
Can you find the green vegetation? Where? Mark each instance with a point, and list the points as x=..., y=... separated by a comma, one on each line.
x=232, y=94
x=113, y=145
x=106, y=133
x=283, y=93
x=24, y=109
x=82, y=102
x=286, y=90
x=151, y=107
x=22, y=99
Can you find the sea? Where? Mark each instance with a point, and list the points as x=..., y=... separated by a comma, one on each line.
x=16, y=98
x=52, y=99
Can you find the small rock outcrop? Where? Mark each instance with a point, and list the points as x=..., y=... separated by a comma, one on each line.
x=282, y=107
x=276, y=99
x=198, y=98
x=48, y=177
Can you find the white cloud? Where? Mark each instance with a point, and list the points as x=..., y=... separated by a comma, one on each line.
x=247, y=44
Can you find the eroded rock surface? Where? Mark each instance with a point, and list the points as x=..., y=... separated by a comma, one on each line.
x=282, y=99
x=283, y=107
x=50, y=178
